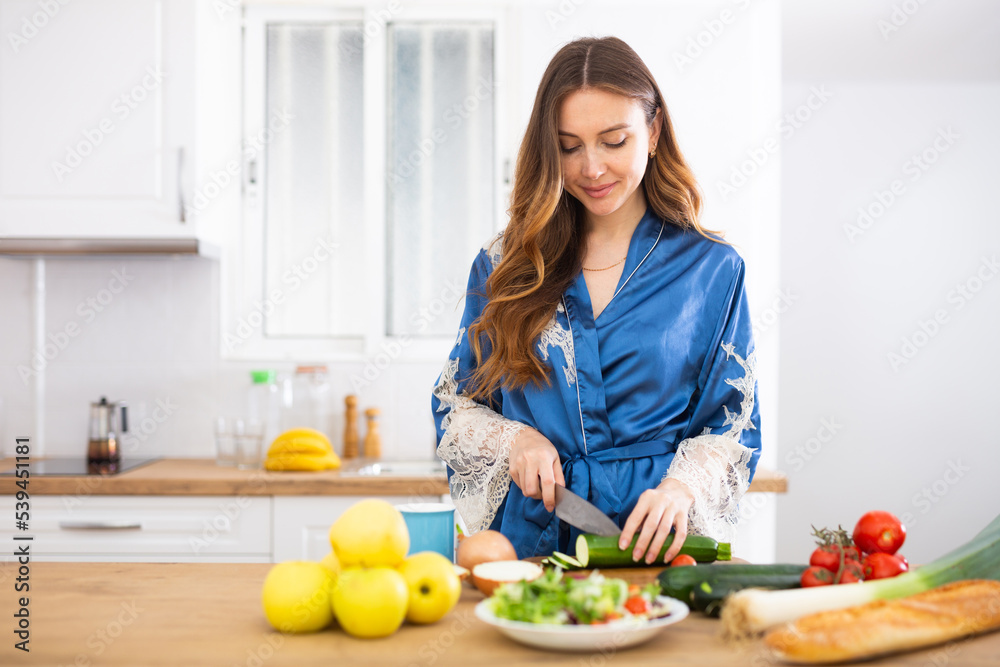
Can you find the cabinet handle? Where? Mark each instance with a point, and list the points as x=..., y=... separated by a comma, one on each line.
x=100, y=525
x=180, y=183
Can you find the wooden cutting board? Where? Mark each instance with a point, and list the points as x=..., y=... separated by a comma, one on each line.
x=634, y=575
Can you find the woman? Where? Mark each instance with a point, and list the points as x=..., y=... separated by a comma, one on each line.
x=606, y=343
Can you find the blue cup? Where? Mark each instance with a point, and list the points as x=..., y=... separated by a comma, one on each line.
x=431, y=526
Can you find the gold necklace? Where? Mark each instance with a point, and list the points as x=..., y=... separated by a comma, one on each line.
x=608, y=267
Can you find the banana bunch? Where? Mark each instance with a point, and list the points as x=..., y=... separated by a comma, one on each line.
x=301, y=449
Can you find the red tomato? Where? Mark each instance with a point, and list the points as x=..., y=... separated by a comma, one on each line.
x=879, y=532
x=902, y=558
x=852, y=573
x=637, y=605
x=816, y=576
x=683, y=559
x=828, y=556
x=882, y=566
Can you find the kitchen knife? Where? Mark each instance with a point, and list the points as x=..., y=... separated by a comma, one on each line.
x=582, y=514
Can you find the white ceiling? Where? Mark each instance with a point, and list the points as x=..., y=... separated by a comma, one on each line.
x=940, y=40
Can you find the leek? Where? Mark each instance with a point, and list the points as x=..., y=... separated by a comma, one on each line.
x=751, y=611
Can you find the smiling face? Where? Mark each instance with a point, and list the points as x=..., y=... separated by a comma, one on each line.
x=605, y=144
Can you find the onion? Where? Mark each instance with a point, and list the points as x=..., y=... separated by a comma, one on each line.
x=484, y=547
x=487, y=576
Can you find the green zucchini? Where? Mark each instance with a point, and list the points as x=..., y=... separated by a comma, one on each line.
x=678, y=582
x=597, y=551
x=710, y=598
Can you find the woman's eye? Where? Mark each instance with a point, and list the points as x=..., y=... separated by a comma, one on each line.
x=619, y=144
x=568, y=150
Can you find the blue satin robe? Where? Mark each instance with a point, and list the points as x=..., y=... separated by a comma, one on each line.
x=648, y=373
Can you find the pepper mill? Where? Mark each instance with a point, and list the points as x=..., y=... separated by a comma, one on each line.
x=373, y=441
x=351, y=427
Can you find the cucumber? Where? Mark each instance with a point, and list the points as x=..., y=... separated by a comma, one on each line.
x=678, y=582
x=569, y=563
x=597, y=551
x=710, y=598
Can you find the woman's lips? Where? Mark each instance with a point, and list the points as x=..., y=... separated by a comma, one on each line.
x=597, y=193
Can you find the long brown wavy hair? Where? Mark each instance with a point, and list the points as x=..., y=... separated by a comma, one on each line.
x=542, y=244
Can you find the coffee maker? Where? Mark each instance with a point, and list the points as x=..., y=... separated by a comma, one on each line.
x=104, y=449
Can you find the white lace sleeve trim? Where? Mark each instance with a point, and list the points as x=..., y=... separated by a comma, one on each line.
x=717, y=470
x=716, y=467
x=476, y=446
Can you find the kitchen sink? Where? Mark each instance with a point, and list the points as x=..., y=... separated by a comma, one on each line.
x=400, y=469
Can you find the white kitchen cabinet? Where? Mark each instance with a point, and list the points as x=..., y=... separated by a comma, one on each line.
x=146, y=528
x=98, y=119
x=302, y=523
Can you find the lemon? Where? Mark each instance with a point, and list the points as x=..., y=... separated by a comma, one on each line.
x=296, y=596
x=370, y=533
x=370, y=602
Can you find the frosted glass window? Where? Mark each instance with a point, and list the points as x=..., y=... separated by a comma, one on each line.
x=440, y=169
x=313, y=231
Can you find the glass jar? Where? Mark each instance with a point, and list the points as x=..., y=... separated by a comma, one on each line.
x=264, y=403
x=309, y=402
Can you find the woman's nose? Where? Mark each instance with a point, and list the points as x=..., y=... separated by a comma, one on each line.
x=593, y=165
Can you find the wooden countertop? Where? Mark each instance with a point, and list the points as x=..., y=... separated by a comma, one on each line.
x=209, y=614
x=201, y=477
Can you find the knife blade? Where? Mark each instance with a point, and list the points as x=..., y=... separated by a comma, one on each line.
x=582, y=514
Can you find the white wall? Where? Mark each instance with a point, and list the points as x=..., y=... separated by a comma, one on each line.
x=912, y=435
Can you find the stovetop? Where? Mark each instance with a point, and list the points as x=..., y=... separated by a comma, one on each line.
x=72, y=467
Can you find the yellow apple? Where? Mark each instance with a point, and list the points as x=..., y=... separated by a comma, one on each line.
x=332, y=564
x=370, y=602
x=434, y=586
x=370, y=533
x=296, y=596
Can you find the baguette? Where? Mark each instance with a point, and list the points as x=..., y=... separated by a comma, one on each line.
x=945, y=613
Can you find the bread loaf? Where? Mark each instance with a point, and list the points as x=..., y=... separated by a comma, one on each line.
x=949, y=612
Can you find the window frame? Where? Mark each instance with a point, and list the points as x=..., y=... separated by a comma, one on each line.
x=245, y=273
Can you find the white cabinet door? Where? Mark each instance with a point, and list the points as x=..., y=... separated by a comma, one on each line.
x=302, y=523
x=146, y=528
x=97, y=118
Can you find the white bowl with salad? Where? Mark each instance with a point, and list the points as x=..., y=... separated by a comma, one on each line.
x=593, y=614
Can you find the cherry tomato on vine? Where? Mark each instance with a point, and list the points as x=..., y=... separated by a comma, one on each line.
x=828, y=556
x=882, y=566
x=879, y=532
x=816, y=576
x=851, y=573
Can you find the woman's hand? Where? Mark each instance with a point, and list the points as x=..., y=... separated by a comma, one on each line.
x=657, y=511
x=535, y=467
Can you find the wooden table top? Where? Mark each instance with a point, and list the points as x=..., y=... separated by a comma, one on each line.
x=172, y=614
x=201, y=477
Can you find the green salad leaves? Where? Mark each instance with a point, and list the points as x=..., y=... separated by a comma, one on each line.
x=556, y=599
